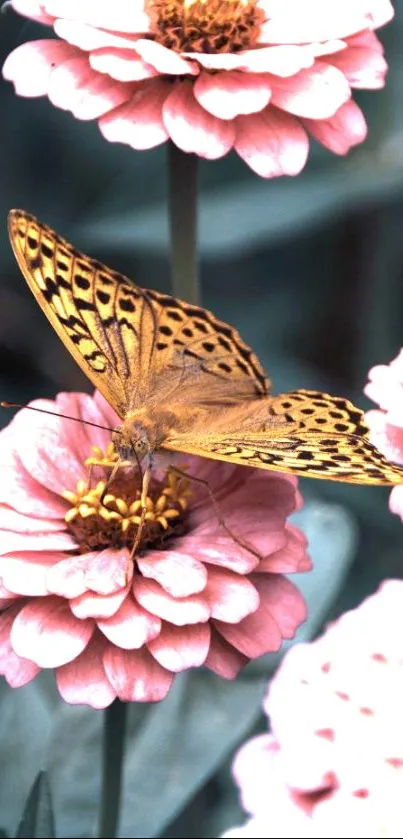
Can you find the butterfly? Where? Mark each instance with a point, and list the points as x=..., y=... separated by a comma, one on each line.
x=183, y=381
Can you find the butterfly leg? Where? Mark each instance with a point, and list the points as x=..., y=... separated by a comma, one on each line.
x=244, y=545
x=143, y=498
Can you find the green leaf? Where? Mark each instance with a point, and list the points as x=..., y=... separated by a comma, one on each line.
x=37, y=821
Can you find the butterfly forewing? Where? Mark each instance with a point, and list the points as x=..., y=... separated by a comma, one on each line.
x=130, y=341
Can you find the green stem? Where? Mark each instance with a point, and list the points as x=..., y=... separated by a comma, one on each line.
x=112, y=765
x=182, y=168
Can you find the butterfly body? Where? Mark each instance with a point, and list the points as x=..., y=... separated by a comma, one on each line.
x=183, y=381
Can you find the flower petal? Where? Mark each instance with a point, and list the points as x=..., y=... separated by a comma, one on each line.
x=363, y=66
x=18, y=542
x=179, y=611
x=17, y=671
x=164, y=60
x=123, y=65
x=176, y=571
x=290, y=559
x=290, y=21
x=29, y=66
x=316, y=93
x=284, y=60
x=46, y=632
x=342, y=131
x=231, y=596
x=84, y=681
x=139, y=123
x=26, y=574
x=90, y=38
x=271, y=143
x=121, y=16
x=32, y=9
x=131, y=626
x=136, y=676
x=74, y=86
x=223, y=659
x=228, y=94
x=178, y=648
x=192, y=129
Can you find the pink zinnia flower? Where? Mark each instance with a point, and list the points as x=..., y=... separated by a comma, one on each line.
x=333, y=765
x=258, y=76
x=385, y=387
x=112, y=626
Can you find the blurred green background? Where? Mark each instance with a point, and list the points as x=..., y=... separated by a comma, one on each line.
x=310, y=270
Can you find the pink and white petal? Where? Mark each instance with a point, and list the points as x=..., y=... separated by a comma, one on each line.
x=84, y=681
x=89, y=38
x=19, y=489
x=179, y=611
x=26, y=574
x=122, y=65
x=12, y=520
x=342, y=131
x=216, y=61
x=75, y=87
x=97, y=606
x=103, y=572
x=136, y=676
x=29, y=66
x=231, y=596
x=272, y=143
x=316, y=93
x=179, y=648
x=131, y=626
x=33, y=10
x=223, y=659
x=192, y=128
x=284, y=60
x=46, y=632
x=290, y=559
x=12, y=542
x=228, y=94
x=366, y=39
x=363, y=67
x=180, y=574
x=329, y=47
x=290, y=21
x=281, y=611
x=121, y=16
x=220, y=550
x=139, y=123
x=17, y=671
x=164, y=60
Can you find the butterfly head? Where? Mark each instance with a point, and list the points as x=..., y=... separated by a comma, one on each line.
x=132, y=441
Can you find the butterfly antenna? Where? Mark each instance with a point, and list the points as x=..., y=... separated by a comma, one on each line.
x=55, y=414
x=244, y=545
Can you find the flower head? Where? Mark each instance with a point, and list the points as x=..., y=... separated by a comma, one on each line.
x=333, y=765
x=385, y=387
x=258, y=76
x=114, y=622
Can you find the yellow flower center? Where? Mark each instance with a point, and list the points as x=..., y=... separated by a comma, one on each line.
x=108, y=514
x=207, y=26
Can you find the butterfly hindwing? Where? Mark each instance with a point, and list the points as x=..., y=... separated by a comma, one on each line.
x=305, y=433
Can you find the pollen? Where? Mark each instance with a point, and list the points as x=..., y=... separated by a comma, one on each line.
x=205, y=26
x=108, y=513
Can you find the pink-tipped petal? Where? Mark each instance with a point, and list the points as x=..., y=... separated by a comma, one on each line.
x=272, y=143
x=176, y=571
x=46, y=632
x=84, y=681
x=18, y=542
x=164, y=60
x=26, y=574
x=75, y=87
x=316, y=93
x=192, y=128
x=229, y=94
x=139, y=123
x=17, y=671
x=29, y=66
x=341, y=132
x=293, y=21
x=131, y=627
x=362, y=66
x=123, y=65
x=232, y=597
x=178, y=648
x=103, y=572
x=136, y=676
x=119, y=16
x=285, y=60
x=289, y=559
x=33, y=10
x=223, y=659
x=179, y=611
x=90, y=38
